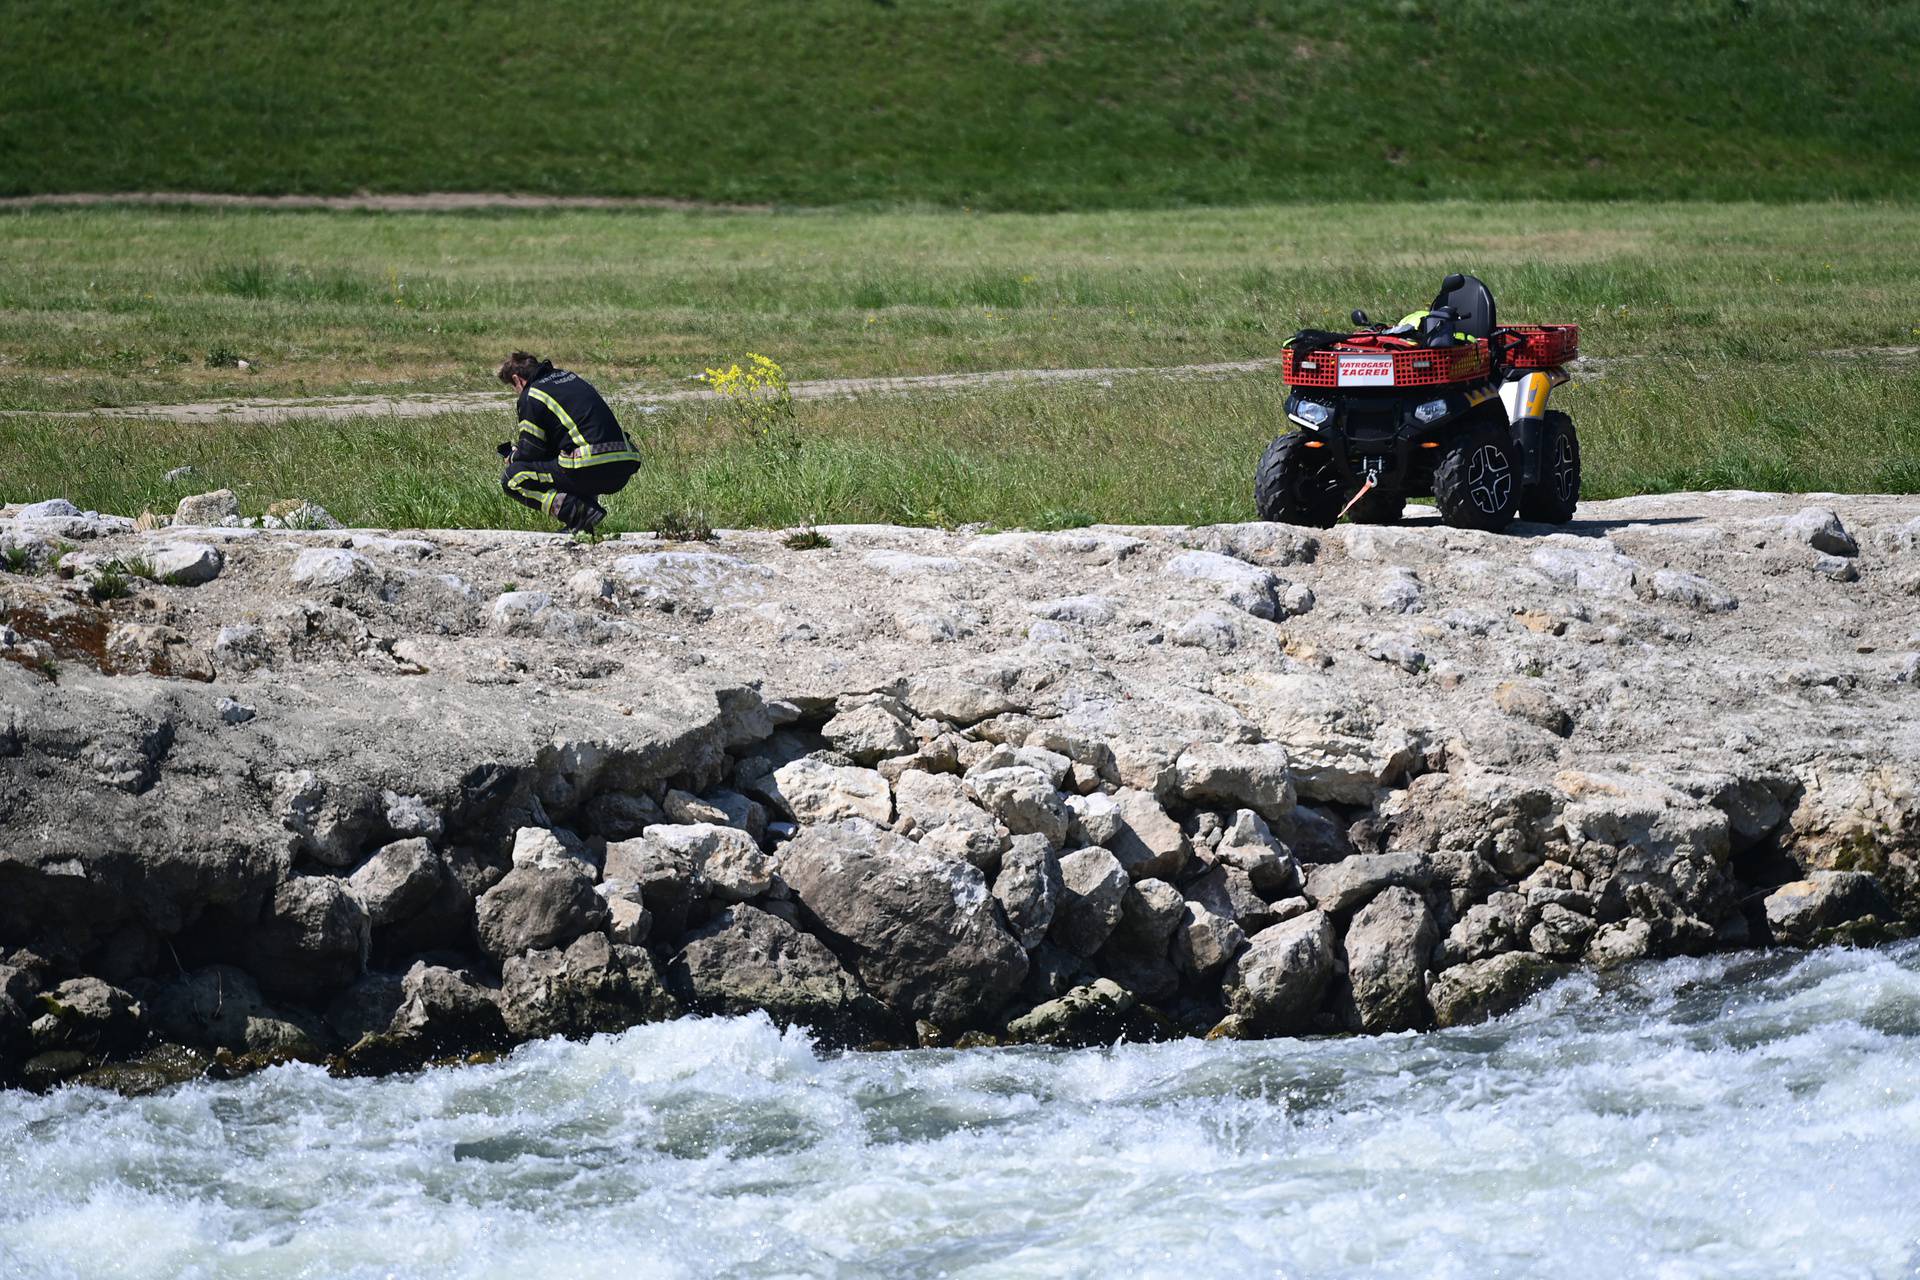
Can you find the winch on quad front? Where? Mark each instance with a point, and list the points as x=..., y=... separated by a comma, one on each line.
x=1446, y=404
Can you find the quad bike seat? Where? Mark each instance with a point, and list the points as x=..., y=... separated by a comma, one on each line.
x=1472, y=305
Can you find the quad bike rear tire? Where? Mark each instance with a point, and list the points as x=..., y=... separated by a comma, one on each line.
x=1477, y=484
x=1552, y=498
x=1293, y=486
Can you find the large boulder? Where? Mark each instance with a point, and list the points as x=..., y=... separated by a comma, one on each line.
x=1028, y=888
x=814, y=791
x=593, y=985
x=1500, y=924
x=1024, y=799
x=946, y=820
x=746, y=959
x=870, y=732
x=449, y=1009
x=86, y=1015
x=920, y=929
x=1800, y=911
x=1087, y=1015
x=533, y=908
x=1139, y=955
x=1390, y=946
x=1249, y=844
x=312, y=941
x=1205, y=940
x=1342, y=886
x=1487, y=988
x=1253, y=774
x=1093, y=890
x=397, y=881
x=1278, y=983
x=726, y=859
x=1148, y=842
x=666, y=879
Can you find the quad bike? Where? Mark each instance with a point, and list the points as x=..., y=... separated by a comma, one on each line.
x=1447, y=404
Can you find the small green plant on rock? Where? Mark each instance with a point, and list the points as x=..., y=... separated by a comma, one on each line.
x=17, y=560
x=109, y=584
x=684, y=526
x=807, y=539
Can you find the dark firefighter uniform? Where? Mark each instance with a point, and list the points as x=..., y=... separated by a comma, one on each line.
x=569, y=450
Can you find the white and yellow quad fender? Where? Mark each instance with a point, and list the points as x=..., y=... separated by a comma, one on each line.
x=1525, y=396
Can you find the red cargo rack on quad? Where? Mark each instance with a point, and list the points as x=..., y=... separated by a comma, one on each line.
x=1365, y=360
x=1541, y=346
x=1370, y=360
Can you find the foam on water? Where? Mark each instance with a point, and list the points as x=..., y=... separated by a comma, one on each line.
x=1723, y=1117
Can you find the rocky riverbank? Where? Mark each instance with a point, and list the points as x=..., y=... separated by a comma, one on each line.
x=381, y=799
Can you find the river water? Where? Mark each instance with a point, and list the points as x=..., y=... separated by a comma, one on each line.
x=1747, y=1116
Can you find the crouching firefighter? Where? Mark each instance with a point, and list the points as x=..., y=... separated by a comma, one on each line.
x=569, y=449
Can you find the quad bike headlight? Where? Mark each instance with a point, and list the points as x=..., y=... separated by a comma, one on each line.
x=1312, y=413
x=1431, y=411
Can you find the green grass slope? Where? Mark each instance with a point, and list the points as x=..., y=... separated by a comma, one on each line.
x=1013, y=104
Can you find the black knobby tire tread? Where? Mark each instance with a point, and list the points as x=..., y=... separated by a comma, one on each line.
x=1450, y=487
x=1274, y=486
x=1538, y=502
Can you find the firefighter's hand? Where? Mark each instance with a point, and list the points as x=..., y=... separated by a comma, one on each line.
x=504, y=449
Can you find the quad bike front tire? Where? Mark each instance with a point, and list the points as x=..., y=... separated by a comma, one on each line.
x=1294, y=486
x=1552, y=498
x=1477, y=484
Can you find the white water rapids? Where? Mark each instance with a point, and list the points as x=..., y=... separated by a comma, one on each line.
x=1744, y=1116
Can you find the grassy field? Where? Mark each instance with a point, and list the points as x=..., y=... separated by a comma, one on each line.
x=1735, y=346
x=1142, y=451
x=1004, y=104
x=130, y=306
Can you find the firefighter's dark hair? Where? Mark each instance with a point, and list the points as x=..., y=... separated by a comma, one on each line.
x=522, y=365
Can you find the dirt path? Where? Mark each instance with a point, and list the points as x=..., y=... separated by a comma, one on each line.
x=427, y=404
x=424, y=202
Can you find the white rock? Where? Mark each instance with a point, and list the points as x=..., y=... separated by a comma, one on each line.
x=1253, y=774
x=540, y=847
x=727, y=858
x=1085, y=611
x=1821, y=529
x=870, y=732
x=412, y=548
x=1600, y=570
x=51, y=509
x=1094, y=819
x=813, y=791
x=1400, y=593
x=1024, y=799
x=947, y=820
x=1209, y=629
x=1245, y=586
x=331, y=567
x=515, y=611
x=1691, y=590
x=186, y=564
x=207, y=508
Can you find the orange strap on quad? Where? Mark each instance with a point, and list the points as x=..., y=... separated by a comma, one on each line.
x=1364, y=490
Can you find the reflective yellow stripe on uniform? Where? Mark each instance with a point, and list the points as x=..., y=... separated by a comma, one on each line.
x=599, y=455
x=519, y=482
x=566, y=419
x=533, y=429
